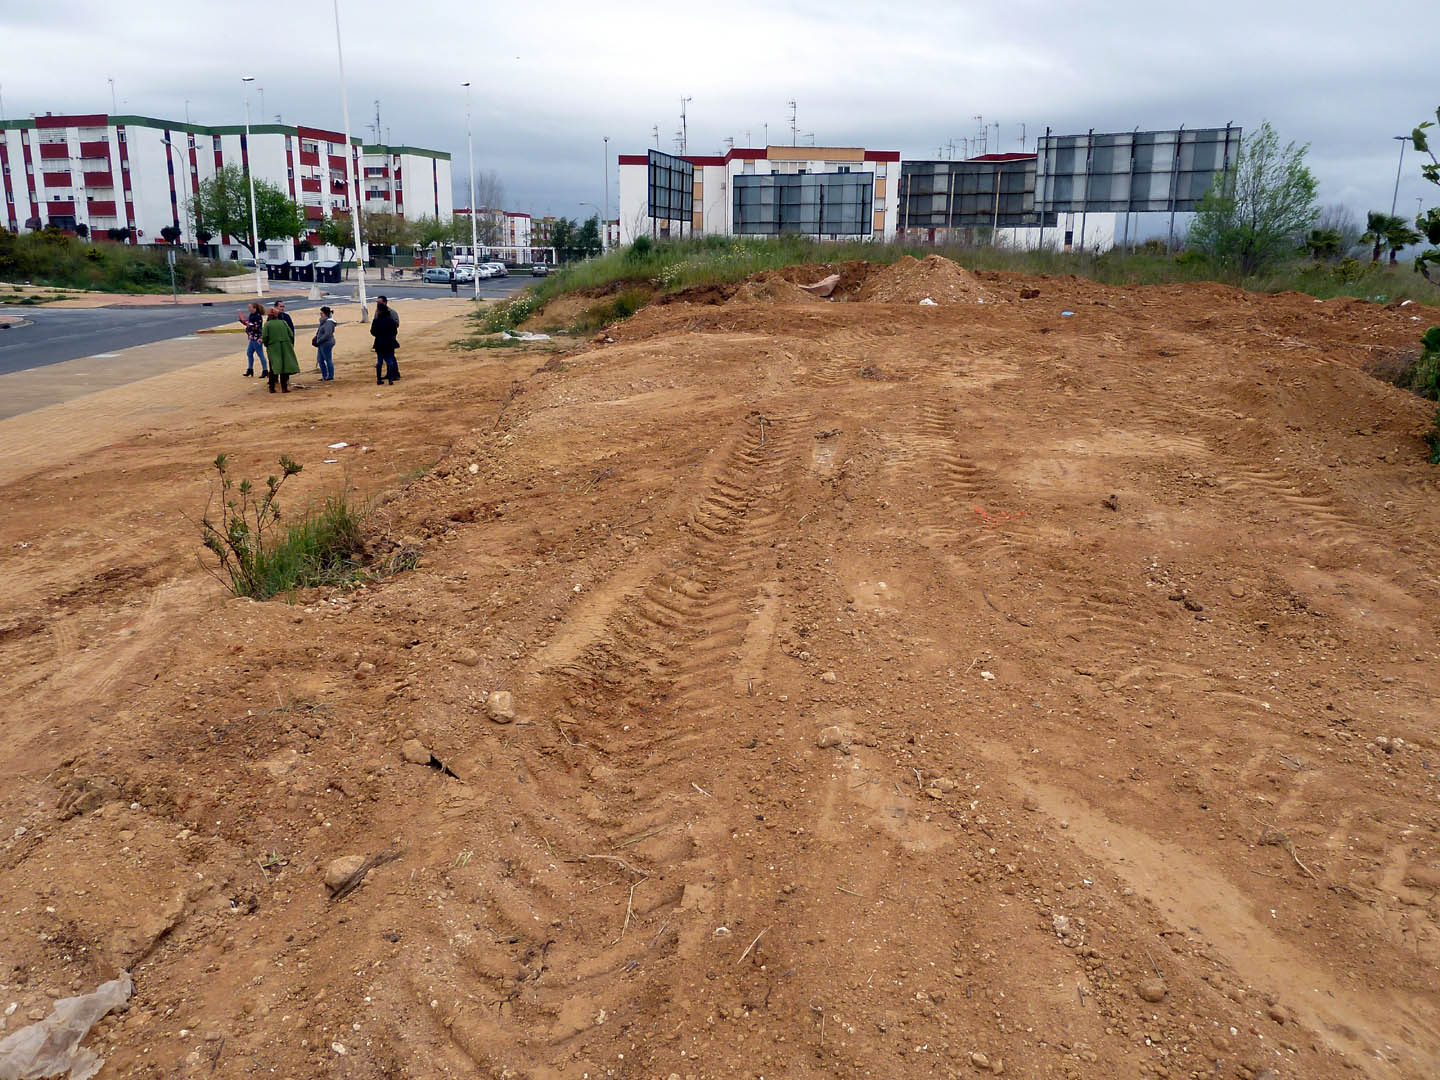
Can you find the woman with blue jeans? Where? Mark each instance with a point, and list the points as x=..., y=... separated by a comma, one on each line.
x=254, y=324
x=324, y=342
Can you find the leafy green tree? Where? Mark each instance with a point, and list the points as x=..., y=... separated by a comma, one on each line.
x=587, y=239
x=337, y=232
x=562, y=239
x=1257, y=212
x=170, y=234
x=222, y=205
x=1429, y=221
x=1325, y=244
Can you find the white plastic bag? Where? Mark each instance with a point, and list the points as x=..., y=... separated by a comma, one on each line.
x=52, y=1046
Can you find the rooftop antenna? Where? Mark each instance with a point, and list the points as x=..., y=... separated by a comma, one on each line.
x=794, y=127
x=378, y=128
x=655, y=134
x=729, y=142
x=1022, y=136
x=980, y=134
x=684, y=127
x=997, y=136
x=114, y=108
x=261, y=89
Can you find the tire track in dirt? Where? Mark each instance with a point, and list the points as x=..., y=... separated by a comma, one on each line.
x=647, y=676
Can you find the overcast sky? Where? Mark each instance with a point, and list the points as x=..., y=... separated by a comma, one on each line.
x=552, y=78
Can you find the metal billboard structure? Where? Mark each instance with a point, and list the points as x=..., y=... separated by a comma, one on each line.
x=819, y=204
x=979, y=193
x=1133, y=171
x=670, y=194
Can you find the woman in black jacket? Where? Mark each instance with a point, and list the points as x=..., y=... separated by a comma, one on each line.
x=385, y=328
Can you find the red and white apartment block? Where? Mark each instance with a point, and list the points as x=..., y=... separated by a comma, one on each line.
x=138, y=173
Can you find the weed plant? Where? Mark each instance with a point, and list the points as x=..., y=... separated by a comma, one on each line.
x=260, y=557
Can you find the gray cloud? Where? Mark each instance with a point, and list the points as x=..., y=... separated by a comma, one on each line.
x=552, y=79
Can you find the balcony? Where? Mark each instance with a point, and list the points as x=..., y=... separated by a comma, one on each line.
x=99, y=179
x=337, y=161
x=99, y=148
x=309, y=157
x=307, y=184
x=338, y=187
x=54, y=151
x=61, y=208
x=315, y=213
x=99, y=207
x=56, y=179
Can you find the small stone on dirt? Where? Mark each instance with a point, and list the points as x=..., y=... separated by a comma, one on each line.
x=468, y=657
x=1191, y=604
x=1151, y=990
x=342, y=870
x=830, y=736
x=980, y=1061
x=500, y=706
x=828, y=676
x=415, y=752
x=1029, y=294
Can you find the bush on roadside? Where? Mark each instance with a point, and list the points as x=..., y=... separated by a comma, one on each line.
x=51, y=257
x=259, y=557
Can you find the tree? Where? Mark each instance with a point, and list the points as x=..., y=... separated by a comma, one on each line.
x=222, y=205
x=170, y=234
x=383, y=232
x=337, y=232
x=587, y=239
x=1388, y=232
x=119, y=236
x=431, y=230
x=1258, y=211
x=562, y=239
x=82, y=231
x=1429, y=221
x=1325, y=244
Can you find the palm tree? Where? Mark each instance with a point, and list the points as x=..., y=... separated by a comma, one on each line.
x=1387, y=231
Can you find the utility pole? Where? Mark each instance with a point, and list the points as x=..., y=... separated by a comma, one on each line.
x=684, y=127
x=353, y=169
x=474, y=238
x=250, y=176
x=1396, y=197
x=605, y=217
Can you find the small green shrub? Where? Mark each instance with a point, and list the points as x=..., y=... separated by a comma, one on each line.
x=1425, y=380
x=320, y=548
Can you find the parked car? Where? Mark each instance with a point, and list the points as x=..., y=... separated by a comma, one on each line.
x=485, y=271
x=464, y=274
x=539, y=270
x=436, y=273
x=499, y=268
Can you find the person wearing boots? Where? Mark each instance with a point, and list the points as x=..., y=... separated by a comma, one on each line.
x=279, y=342
x=384, y=328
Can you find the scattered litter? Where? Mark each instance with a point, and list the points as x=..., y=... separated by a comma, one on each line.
x=988, y=676
x=927, y=302
x=1406, y=303
x=1066, y=314
x=331, y=461
x=524, y=335
x=52, y=1046
x=338, y=445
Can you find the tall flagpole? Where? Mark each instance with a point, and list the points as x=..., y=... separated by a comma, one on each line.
x=352, y=168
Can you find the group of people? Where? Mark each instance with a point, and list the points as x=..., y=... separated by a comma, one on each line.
x=270, y=335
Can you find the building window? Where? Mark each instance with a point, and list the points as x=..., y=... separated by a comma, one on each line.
x=120, y=135
x=838, y=168
x=880, y=169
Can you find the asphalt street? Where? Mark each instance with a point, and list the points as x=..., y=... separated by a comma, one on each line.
x=59, y=334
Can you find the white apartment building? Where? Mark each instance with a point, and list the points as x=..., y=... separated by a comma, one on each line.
x=745, y=193
x=510, y=236
x=139, y=173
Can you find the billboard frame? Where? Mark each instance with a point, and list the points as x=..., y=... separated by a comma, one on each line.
x=670, y=190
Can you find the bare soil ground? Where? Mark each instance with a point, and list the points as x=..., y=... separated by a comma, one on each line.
x=900, y=690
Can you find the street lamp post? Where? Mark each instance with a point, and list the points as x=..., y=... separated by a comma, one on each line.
x=474, y=231
x=1399, y=165
x=250, y=176
x=352, y=168
x=605, y=217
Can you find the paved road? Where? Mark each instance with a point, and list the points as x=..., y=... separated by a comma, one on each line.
x=58, y=334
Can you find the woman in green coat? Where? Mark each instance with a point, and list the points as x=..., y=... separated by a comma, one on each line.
x=279, y=342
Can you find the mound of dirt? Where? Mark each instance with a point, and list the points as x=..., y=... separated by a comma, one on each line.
x=911, y=280
x=772, y=288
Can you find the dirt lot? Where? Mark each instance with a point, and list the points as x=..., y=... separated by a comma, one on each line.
x=901, y=691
